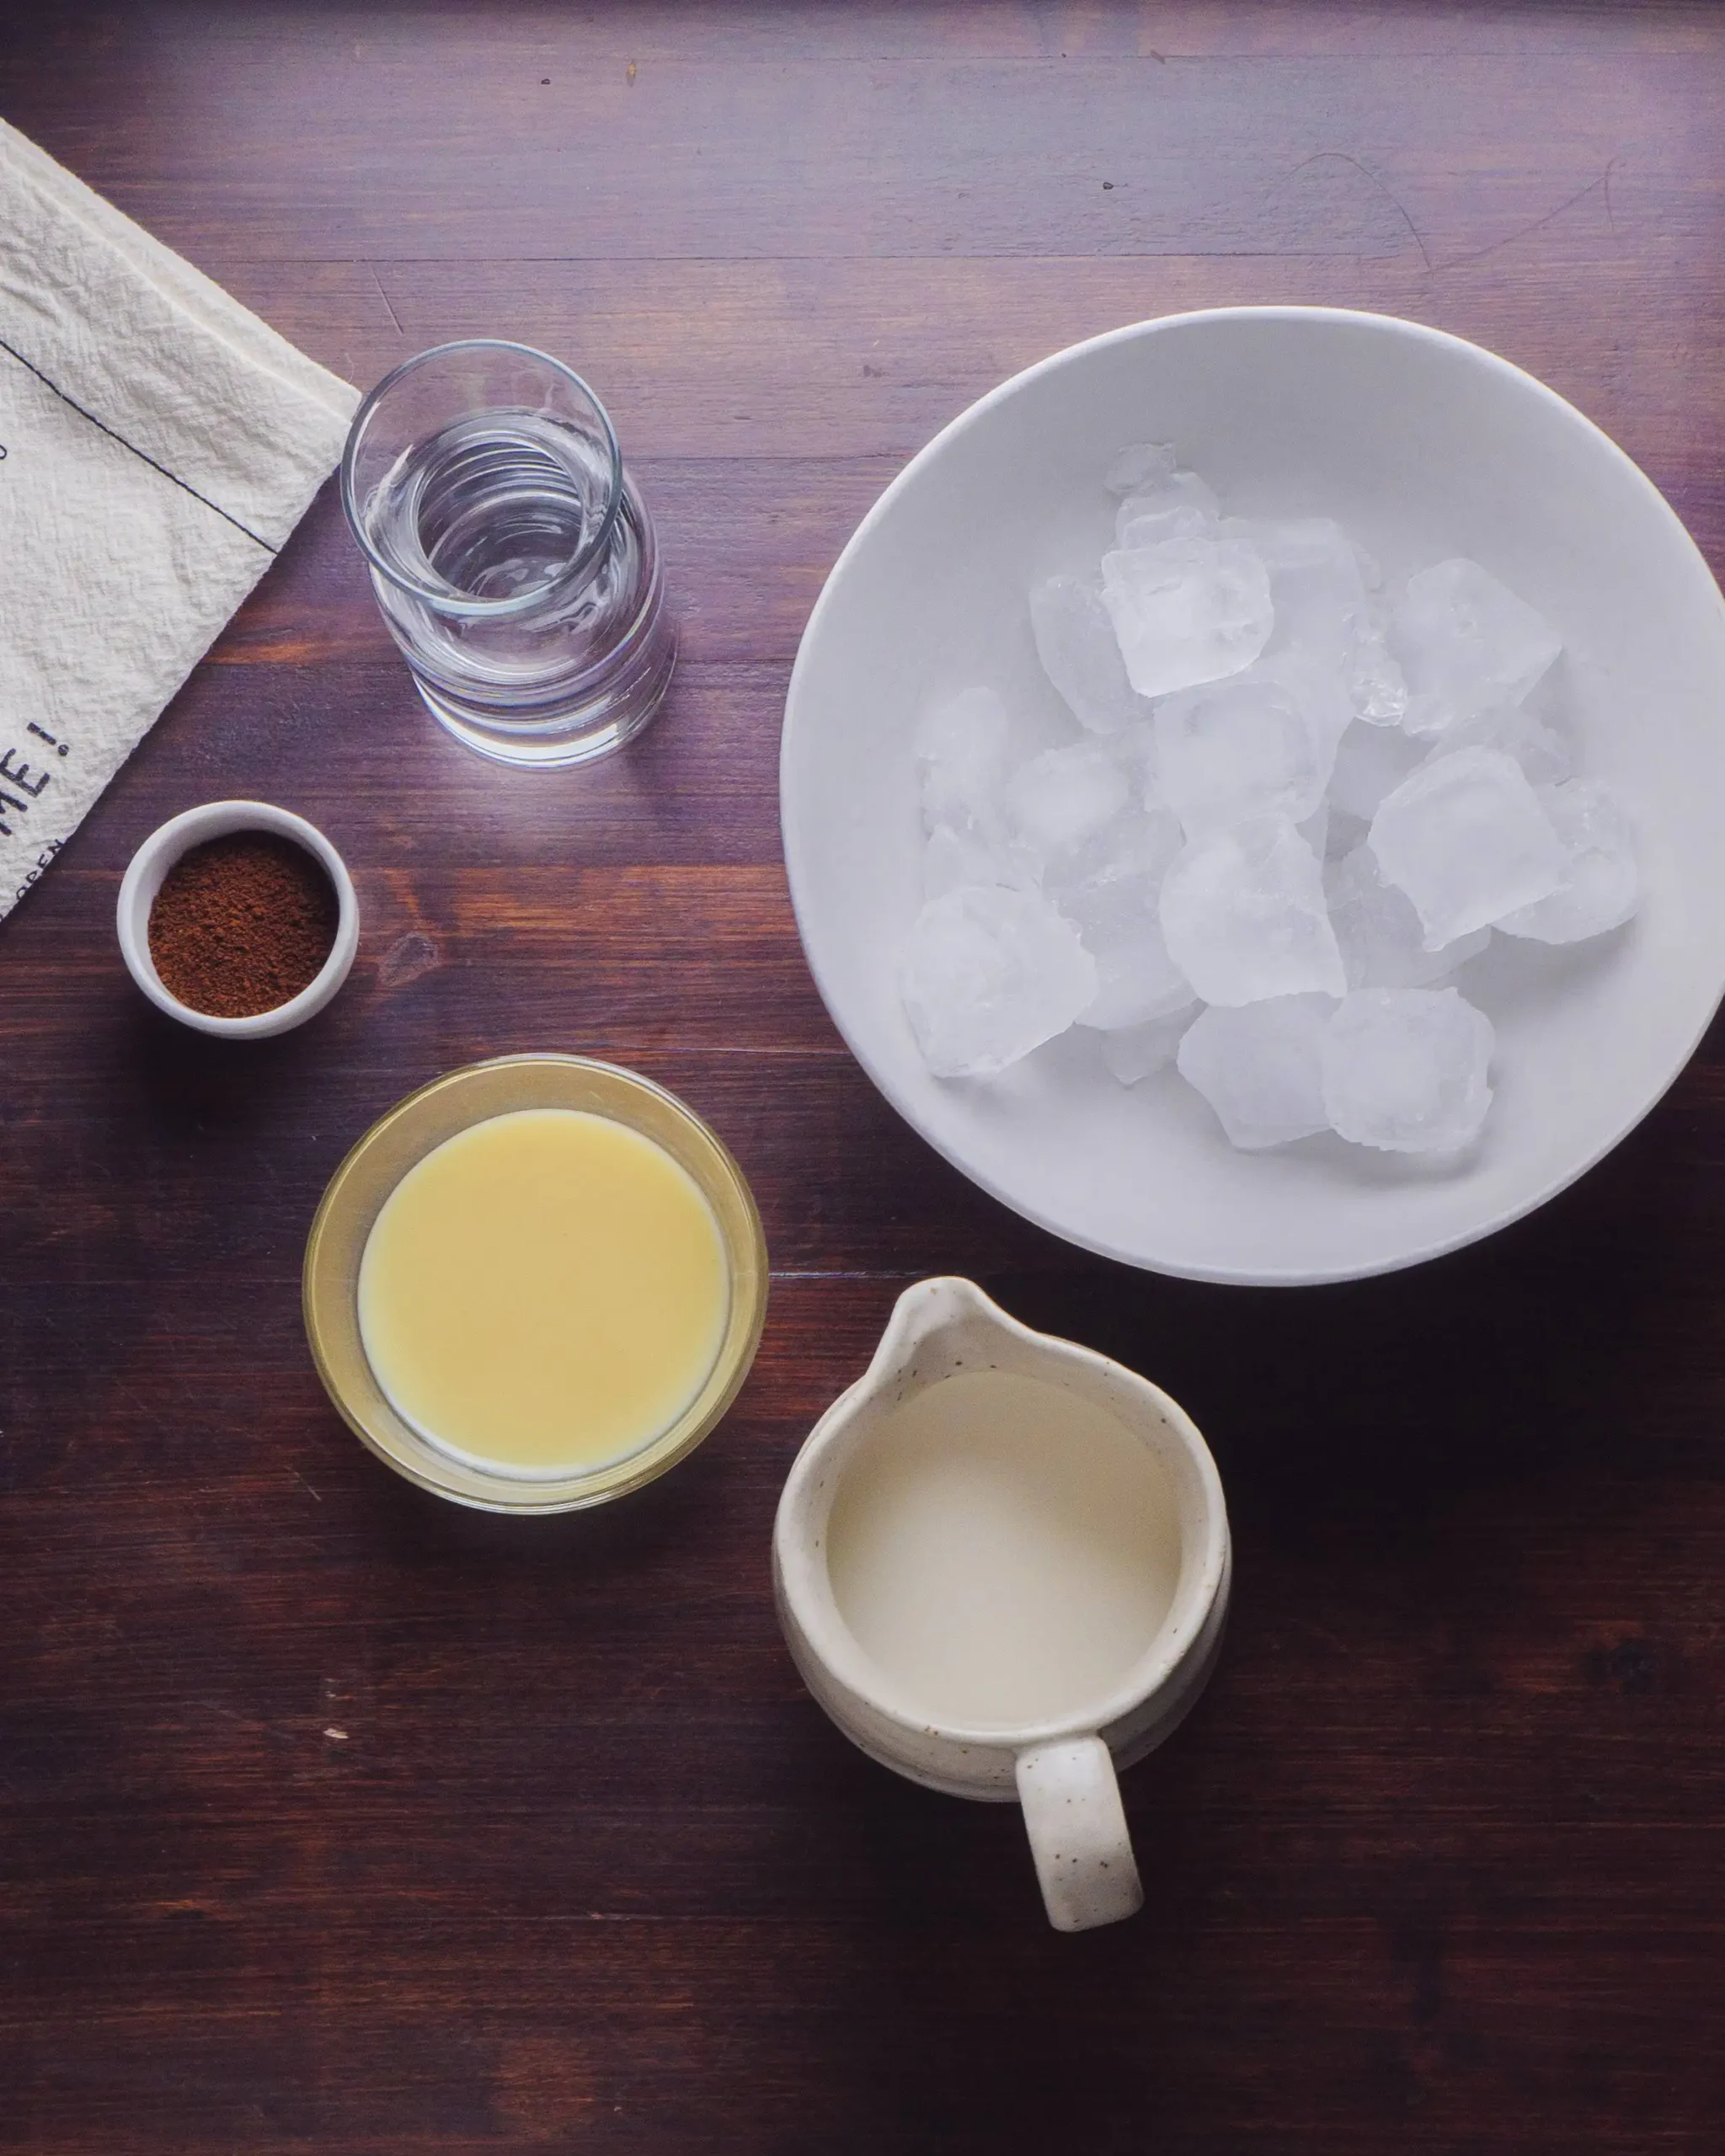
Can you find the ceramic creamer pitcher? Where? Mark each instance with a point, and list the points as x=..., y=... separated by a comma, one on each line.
x=1061, y=1765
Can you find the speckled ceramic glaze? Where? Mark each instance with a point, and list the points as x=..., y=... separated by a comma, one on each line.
x=1062, y=1771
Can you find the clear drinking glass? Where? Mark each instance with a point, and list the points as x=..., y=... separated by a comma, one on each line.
x=512, y=557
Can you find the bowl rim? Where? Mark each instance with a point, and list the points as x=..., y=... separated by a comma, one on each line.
x=443, y=1474
x=795, y=723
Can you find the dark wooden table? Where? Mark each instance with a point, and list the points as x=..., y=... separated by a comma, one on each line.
x=333, y=1818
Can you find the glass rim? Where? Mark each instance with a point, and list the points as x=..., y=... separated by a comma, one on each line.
x=444, y=596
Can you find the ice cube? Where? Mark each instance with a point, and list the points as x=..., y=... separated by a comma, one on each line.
x=1138, y=841
x=1467, y=839
x=1381, y=941
x=989, y=973
x=953, y=858
x=1133, y=1052
x=1377, y=686
x=1466, y=642
x=1137, y=467
x=1601, y=887
x=1138, y=526
x=1320, y=689
x=1540, y=749
x=1178, y=505
x=1260, y=1068
x=1243, y=914
x=1117, y=915
x=1321, y=585
x=1081, y=654
x=1316, y=583
x=1133, y=749
x=1404, y=1069
x=1239, y=748
x=1371, y=760
x=1186, y=610
x=961, y=747
x=1066, y=796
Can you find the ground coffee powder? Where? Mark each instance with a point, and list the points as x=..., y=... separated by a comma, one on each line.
x=241, y=924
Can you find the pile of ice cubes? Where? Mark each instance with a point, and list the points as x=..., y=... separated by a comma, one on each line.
x=1294, y=805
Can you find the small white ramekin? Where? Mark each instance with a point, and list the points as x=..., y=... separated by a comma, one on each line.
x=216, y=819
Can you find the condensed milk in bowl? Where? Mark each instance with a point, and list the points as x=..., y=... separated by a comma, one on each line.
x=535, y=1283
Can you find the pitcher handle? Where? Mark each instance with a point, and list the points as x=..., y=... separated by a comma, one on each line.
x=1077, y=1830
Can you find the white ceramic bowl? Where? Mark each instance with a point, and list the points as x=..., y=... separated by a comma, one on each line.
x=1424, y=446
x=215, y=820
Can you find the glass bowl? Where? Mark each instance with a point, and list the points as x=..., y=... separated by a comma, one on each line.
x=397, y=1142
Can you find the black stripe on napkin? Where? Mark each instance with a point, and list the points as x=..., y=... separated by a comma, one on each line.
x=133, y=447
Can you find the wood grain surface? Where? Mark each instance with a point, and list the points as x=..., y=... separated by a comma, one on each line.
x=335, y=1819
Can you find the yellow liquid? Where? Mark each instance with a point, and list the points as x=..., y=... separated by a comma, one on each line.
x=544, y=1293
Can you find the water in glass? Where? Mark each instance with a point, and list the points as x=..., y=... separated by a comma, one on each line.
x=513, y=558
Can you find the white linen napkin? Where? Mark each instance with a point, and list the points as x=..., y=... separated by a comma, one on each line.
x=158, y=444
